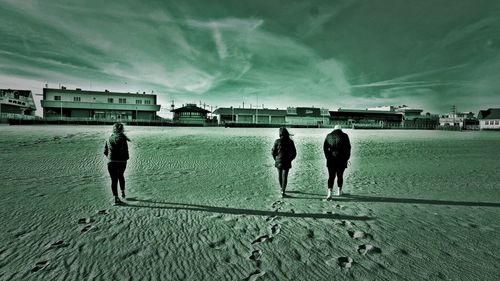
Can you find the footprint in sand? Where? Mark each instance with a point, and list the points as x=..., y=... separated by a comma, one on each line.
x=85, y=221
x=88, y=228
x=256, y=254
x=368, y=249
x=58, y=244
x=39, y=266
x=345, y=262
x=217, y=244
x=255, y=275
x=103, y=212
x=358, y=234
x=272, y=218
x=262, y=239
x=347, y=223
x=404, y=252
x=277, y=205
x=275, y=229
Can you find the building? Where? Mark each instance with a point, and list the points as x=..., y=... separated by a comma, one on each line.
x=413, y=118
x=82, y=104
x=307, y=116
x=458, y=119
x=408, y=112
x=489, y=119
x=16, y=104
x=377, y=118
x=251, y=115
x=190, y=114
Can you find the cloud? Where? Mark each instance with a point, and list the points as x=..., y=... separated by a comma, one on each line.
x=341, y=53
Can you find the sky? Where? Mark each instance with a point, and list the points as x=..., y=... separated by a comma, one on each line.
x=427, y=54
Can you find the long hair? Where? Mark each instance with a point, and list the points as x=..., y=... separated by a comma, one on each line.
x=118, y=133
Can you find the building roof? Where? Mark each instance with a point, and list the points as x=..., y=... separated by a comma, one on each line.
x=492, y=113
x=408, y=109
x=105, y=92
x=365, y=111
x=190, y=108
x=19, y=98
x=24, y=93
x=249, y=111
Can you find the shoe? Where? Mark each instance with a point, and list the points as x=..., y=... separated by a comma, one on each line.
x=329, y=198
x=123, y=194
x=339, y=192
x=118, y=201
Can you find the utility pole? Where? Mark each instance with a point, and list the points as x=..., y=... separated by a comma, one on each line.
x=257, y=110
x=454, y=112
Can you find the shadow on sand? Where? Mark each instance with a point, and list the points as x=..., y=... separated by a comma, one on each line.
x=300, y=195
x=363, y=198
x=235, y=211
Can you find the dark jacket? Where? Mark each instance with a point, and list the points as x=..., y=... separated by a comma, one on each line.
x=283, y=153
x=116, y=148
x=337, y=149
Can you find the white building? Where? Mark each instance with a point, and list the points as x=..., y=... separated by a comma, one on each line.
x=489, y=119
x=113, y=106
x=16, y=104
x=250, y=115
x=456, y=119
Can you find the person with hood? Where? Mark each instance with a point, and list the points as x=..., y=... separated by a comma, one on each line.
x=116, y=149
x=283, y=153
x=337, y=149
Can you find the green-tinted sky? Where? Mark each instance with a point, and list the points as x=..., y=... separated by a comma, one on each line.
x=423, y=53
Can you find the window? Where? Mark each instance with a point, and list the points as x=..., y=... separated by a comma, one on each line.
x=77, y=99
x=496, y=122
x=110, y=100
x=122, y=100
x=147, y=102
x=138, y=101
x=57, y=97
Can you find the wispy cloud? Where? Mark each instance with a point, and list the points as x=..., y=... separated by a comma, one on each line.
x=314, y=52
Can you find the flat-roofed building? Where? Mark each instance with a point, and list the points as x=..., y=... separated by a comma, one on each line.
x=106, y=105
x=190, y=114
x=489, y=119
x=413, y=118
x=251, y=115
x=360, y=116
x=457, y=119
x=309, y=116
x=409, y=113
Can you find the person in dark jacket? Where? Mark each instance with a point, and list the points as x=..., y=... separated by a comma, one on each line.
x=337, y=149
x=283, y=153
x=116, y=149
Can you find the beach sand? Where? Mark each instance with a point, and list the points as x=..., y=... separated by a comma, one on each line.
x=204, y=204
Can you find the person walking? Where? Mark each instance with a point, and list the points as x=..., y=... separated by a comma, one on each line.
x=116, y=149
x=337, y=149
x=283, y=153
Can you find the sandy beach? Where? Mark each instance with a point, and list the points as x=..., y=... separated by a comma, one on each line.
x=204, y=204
